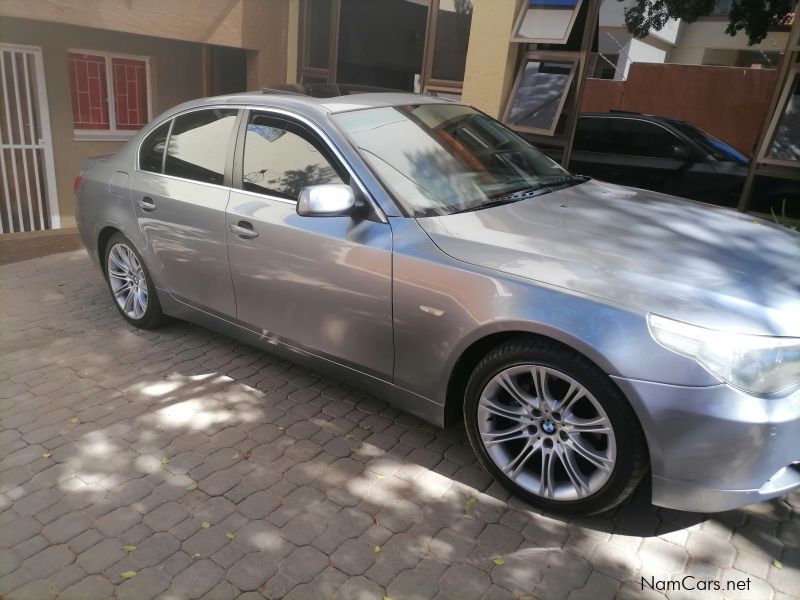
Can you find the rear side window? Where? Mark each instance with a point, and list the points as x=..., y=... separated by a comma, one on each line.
x=633, y=137
x=281, y=158
x=151, y=153
x=198, y=145
x=590, y=135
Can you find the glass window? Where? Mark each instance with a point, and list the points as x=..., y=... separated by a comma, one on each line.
x=97, y=78
x=539, y=95
x=281, y=158
x=317, y=34
x=198, y=145
x=438, y=159
x=546, y=21
x=590, y=135
x=710, y=145
x=786, y=142
x=633, y=137
x=151, y=153
x=453, y=22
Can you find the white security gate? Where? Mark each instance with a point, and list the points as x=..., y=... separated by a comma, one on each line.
x=29, y=200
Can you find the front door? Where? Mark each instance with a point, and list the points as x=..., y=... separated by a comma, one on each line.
x=322, y=284
x=180, y=202
x=29, y=199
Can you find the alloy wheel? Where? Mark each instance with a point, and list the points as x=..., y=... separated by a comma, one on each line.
x=546, y=432
x=128, y=281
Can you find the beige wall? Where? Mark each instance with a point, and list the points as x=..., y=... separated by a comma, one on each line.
x=491, y=57
x=251, y=24
x=176, y=76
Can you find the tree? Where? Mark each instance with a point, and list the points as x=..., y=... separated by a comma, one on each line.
x=754, y=17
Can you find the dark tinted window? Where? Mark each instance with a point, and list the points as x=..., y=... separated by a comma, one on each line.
x=151, y=153
x=282, y=158
x=640, y=138
x=453, y=22
x=198, y=145
x=590, y=135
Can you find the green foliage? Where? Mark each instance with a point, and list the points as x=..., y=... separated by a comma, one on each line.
x=754, y=17
x=783, y=219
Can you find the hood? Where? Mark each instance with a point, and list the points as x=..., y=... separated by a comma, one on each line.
x=655, y=253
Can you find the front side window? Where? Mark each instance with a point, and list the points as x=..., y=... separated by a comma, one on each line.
x=198, y=145
x=633, y=137
x=281, y=158
x=151, y=153
x=110, y=93
x=439, y=159
x=590, y=135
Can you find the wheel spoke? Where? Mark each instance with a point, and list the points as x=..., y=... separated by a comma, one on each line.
x=590, y=454
x=598, y=424
x=516, y=432
x=501, y=410
x=575, y=393
x=114, y=255
x=546, y=475
x=576, y=477
x=508, y=384
x=539, y=375
x=516, y=464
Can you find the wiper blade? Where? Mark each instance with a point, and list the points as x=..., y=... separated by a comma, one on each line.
x=507, y=199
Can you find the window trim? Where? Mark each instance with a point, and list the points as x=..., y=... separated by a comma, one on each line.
x=112, y=134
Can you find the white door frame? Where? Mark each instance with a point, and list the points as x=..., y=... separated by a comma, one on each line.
x=45, y=142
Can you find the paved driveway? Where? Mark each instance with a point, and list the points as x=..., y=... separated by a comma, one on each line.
x=181, y=464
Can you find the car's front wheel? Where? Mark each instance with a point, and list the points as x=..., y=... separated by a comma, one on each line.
x=553, y=429
x=130, y=284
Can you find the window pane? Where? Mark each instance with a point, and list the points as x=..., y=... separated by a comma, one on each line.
x=452, y=38
x=130, y=93
x=281, y=159
x=786, y=143
x=640, y=138
x=536, y=104
x=89, y=90
x=152, y=150
x=198, y=146
x=590, y=136
x=317, y=33
x=548, y=20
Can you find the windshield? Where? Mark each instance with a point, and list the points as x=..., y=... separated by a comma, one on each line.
x=438, y=159
x=711, y=145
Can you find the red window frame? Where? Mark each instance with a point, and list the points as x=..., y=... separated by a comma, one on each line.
x=110, y=93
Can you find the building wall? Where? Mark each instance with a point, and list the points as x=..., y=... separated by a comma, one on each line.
x=728, y=102
x=259, y=25
x=176, y=75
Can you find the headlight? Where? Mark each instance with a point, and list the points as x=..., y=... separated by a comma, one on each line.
x=753, y=363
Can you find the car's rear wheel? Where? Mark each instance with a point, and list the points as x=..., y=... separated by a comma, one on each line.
x=131, y=286
x=552, y=427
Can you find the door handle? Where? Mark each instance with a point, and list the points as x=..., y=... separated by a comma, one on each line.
x=146, y=204
x=244, y=230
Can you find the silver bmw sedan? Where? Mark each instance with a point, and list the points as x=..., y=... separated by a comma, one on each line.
x=585, y=333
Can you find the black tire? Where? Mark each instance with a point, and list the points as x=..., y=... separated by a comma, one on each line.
x=153, y=316
x=631, y=461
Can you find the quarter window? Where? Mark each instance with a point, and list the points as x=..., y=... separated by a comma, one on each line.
x=151, y=154
x=281, y=158
x=198, y=145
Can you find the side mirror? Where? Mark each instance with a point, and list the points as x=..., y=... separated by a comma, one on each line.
x=681, y=152
x=330, y=200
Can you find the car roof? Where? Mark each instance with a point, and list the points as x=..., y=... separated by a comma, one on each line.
x=333, y=104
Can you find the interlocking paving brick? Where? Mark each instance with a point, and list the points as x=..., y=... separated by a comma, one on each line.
x=181, y=426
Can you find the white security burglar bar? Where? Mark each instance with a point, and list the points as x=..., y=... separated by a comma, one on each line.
x=29, y=200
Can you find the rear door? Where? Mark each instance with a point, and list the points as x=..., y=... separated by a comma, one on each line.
x=180, y=196
x=322, y=284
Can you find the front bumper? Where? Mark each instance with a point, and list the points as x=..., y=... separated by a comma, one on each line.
x=715, y=448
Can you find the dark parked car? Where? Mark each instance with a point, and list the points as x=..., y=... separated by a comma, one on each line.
x=670, y=156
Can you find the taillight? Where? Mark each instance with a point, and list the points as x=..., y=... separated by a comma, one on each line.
x=77, y=184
